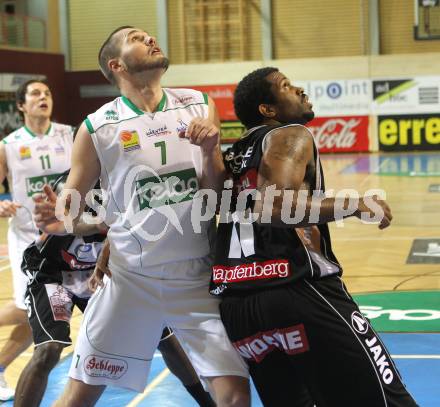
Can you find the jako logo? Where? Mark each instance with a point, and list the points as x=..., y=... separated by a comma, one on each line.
x=97, y=366
x=380, y=358
x=359, y=323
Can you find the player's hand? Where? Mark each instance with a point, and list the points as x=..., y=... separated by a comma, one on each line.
x=203, y=133
x=44, y=212
x=101, y=268
x=374, y=210
x=8, y=208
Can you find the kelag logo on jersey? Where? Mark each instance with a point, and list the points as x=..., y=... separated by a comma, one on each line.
x=34, y=185
x=167, y=189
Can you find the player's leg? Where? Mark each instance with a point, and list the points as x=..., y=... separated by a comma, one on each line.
x=14, y=313
x=230, y=391
x=119, y=334
x=33, y=379
x=49, y=309
x=194, y=316
x=343, y=340
x=264, y=330
x=79, y=394
x=180, y=366
x=11, y=315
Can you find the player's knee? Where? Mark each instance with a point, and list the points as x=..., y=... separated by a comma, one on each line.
x=234, y=399
x=46, y=356
x=231, y=391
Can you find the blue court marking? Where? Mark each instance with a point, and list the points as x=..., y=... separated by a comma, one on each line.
x=419, y=374
x=413, y=165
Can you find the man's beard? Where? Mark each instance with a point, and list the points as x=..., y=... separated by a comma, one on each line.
x=158, y=63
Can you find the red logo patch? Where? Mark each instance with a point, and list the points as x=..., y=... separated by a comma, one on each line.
x=97, y=366
x=290, y=340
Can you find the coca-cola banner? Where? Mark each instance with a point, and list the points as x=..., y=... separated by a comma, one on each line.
x=340, y=134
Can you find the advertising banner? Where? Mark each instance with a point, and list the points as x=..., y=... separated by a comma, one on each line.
x=223, y=96
x=339, y=97
x=340, y=134
x=409, y=132
x=406, y=96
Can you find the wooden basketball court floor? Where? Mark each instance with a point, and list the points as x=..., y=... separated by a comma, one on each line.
x=399, y=291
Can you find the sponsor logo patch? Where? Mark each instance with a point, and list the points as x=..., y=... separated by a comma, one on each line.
x=170, y=188
x=34, y=185
x=183, y=100
x=291, y=340
x=251, y=271
x=97, y=366
x=111, y=115
x=160, y=131
x=25, y=152
x=59, y=150
x=359, y=323
x=380, y=359
x=60, y=302
x=129, y=140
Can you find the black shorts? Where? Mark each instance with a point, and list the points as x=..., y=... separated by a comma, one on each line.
x=308, y=343
x=50, y=310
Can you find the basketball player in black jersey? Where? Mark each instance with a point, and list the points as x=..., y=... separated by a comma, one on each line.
x=284, y=305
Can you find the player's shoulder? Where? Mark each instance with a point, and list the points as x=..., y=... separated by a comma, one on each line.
x=113, y=112
x=65, y=129
x=288, y=136
x=18, y=135
x=182, y=97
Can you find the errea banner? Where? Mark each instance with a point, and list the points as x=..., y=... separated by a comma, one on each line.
x=409, y=132
x=338, y=97
x=406, y=95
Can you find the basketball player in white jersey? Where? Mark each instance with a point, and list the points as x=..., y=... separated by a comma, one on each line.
x=34, y=155
x=152, y=148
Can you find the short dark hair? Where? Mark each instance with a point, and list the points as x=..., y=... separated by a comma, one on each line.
x=110, y=49
x=20, y=94
x=251, y=92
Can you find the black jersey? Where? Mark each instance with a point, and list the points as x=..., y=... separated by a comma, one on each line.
x=45, y=262
x=254, y=255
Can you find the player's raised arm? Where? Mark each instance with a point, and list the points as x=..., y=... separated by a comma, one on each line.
x=288, y=153
x=206, y=134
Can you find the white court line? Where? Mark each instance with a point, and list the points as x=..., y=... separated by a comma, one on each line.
x=415, y=356
x=157, y=380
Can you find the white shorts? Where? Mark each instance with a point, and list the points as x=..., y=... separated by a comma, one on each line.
x=124, y=321
x=17, y=243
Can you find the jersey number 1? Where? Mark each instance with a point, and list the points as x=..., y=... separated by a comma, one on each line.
x=45, y=161
x=163, y=151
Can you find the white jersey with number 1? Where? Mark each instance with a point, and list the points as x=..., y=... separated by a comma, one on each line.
x=150, y=176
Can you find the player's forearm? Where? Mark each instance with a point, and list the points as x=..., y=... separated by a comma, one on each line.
x=296, y=211
x=213, y=170
x=82, y=228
